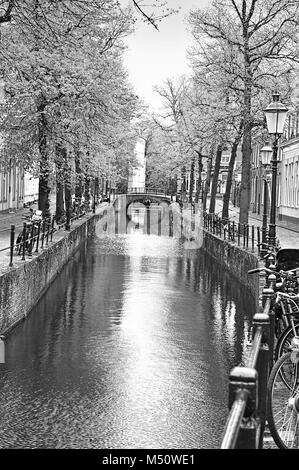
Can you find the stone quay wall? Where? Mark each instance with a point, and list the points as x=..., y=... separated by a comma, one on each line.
x=22, y=286
x=236, y=260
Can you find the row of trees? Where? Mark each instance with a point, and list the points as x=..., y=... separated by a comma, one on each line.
x=69, y=109
x=242, y=51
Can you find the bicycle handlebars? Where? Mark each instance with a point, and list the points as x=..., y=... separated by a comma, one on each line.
x=258, y=270
x=282, y=273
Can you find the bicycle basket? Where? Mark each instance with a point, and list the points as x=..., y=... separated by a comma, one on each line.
x=287, y=258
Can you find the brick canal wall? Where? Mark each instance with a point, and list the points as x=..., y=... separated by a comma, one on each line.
x=235, y=259
x=21, y=287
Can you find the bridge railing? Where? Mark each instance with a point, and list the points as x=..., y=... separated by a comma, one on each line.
x=146, y=191
x=248, y=384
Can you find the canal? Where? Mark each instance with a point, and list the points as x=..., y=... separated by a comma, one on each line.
x=130, y=347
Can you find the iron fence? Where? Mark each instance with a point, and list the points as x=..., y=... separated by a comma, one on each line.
x=244, y=235
x=33, y=236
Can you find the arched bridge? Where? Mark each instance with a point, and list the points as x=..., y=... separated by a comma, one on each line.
x=145, y=196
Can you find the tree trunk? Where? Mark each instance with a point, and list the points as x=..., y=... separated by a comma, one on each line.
x=246, y=146
x=183, y=186
x=59, y=214
x=79, y=182
x=44, y=188
x=198, y=189
x=208, y=180
x=87, y=192
x=191, y=186
x=215, y=179
x=245, y=182
x=226, y=197
x=68, y=204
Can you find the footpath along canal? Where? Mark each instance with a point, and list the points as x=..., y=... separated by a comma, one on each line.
x=130, y=347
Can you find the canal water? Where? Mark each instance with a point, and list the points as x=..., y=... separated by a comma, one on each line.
x=130, y=347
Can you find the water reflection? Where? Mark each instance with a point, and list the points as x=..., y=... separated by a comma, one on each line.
x=129, y=348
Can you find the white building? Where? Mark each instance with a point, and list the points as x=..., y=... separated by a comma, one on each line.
x=16, y=186
x=137, y=175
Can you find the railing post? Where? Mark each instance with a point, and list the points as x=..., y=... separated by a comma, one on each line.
x=252, y=238
x=247, y=235
x=30, y=240
x=262, y=367
x=24, y=241
x=37, y=238
x=270, y=293
x=43, y=232
x=245, y=378
x=239, y=233
x=12, y=243
x=258, y=240
x=234, y=229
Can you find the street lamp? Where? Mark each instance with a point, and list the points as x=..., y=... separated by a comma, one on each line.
x=276, y=114
x=266, y=155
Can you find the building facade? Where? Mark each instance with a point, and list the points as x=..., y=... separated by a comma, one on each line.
x=287, y=193
x=17, y=188
x=137, y=174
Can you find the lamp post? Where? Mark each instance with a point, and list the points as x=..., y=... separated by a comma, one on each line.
x=276, y=114
x=266, y=155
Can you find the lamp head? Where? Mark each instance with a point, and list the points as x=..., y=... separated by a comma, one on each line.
x=276, y=114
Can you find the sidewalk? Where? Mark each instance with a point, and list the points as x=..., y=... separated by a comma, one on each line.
x=288, y=237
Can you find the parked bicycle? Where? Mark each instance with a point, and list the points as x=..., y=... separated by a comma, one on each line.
x=29, y=233
x=283, y=382
x=285, y=308
x=283, y=398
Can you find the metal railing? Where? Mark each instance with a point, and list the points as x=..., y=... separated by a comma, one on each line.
x=33, y=236
x=248, y=384
x=244, y=235
x=146, y=191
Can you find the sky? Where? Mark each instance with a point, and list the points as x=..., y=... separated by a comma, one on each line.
x=153, y=56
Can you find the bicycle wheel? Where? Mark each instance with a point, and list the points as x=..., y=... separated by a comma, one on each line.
x=283, y=417
x=284, y=341
x=281, y=323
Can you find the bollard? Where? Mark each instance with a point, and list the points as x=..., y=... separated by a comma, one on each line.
x=239, y=233
x=12, y=243
x=24, y=241
x=252, y=238
x=234, y=230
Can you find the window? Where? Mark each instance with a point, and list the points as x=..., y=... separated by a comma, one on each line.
x=225, y=159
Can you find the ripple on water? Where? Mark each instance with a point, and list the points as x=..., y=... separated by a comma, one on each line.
x=129, y=348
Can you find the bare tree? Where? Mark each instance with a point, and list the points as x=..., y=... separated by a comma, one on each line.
x=258, y=33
